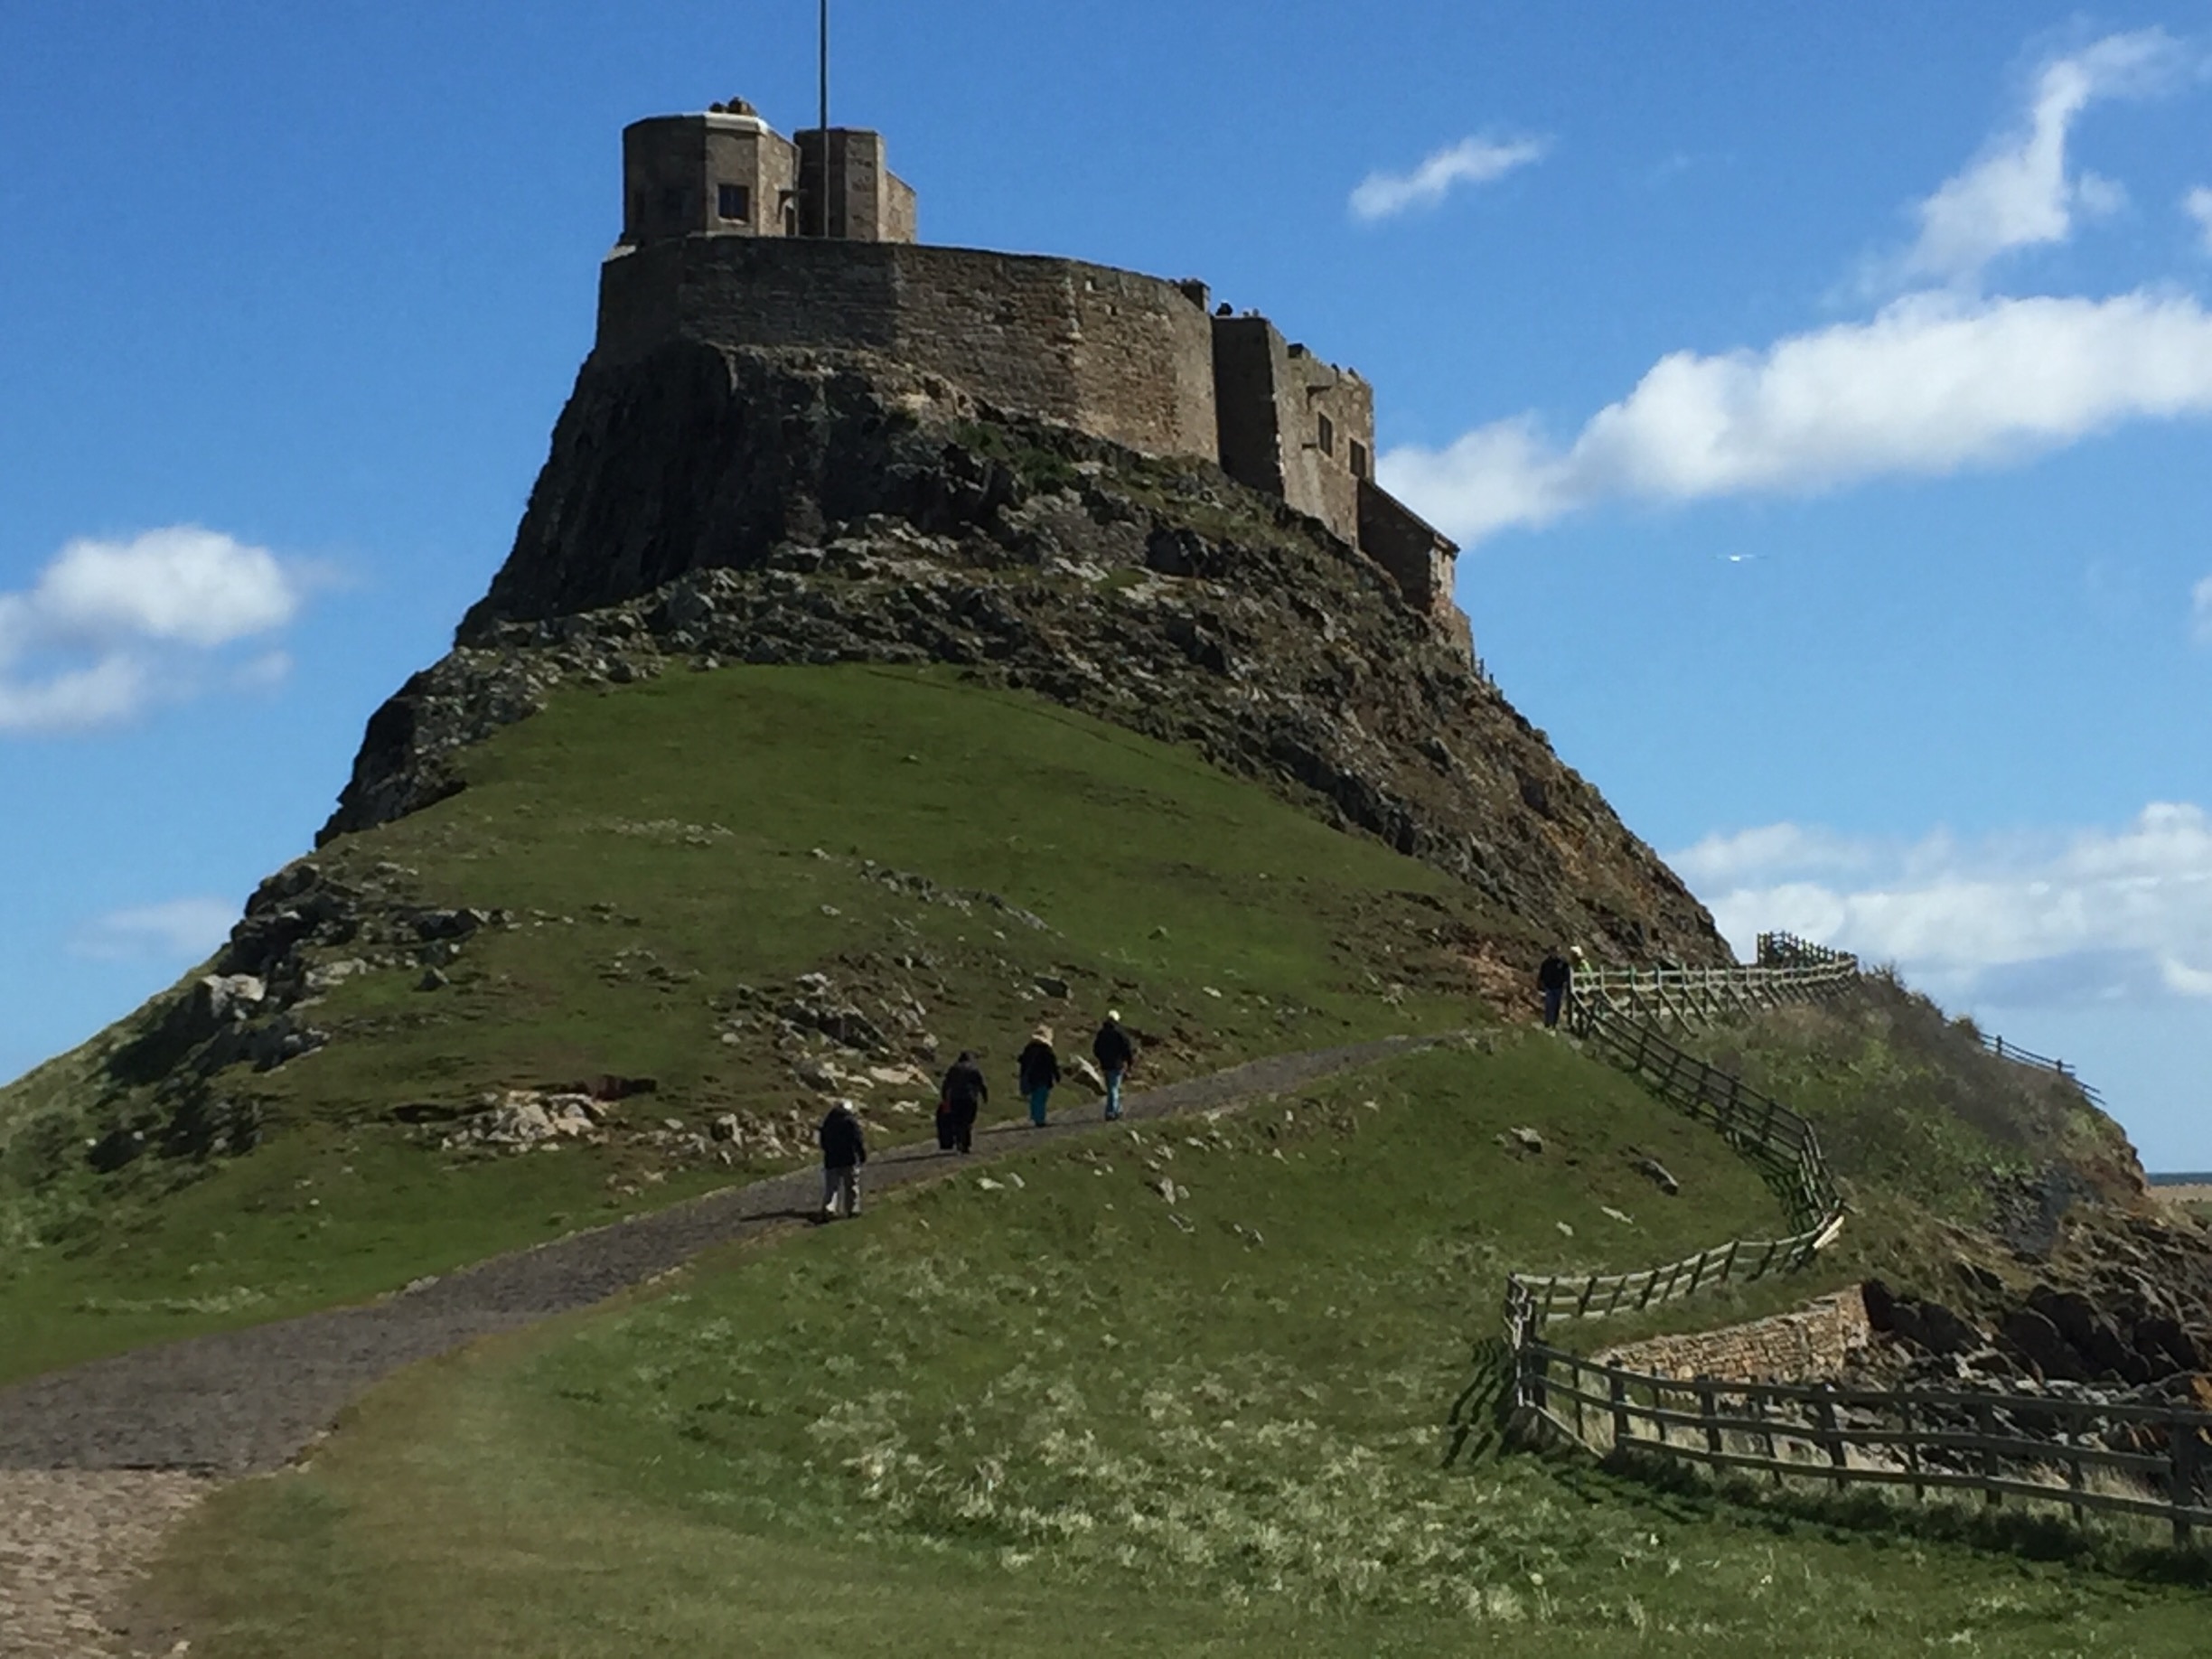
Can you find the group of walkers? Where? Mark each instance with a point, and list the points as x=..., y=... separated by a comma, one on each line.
x=961, y=1097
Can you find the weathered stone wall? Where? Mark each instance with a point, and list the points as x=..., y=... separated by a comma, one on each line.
x=1126, y=357
x=1420, y=558
x=1291, y=423
x=1806, y=1344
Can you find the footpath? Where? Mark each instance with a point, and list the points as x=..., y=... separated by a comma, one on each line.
x=98, y=1460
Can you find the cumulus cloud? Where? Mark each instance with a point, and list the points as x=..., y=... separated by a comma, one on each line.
x=2019, y=191
x=181, y=930
x=1471, y=161
x=2103, y=913
x=1937, y=381
x=2198, y=205
x=1933, y=384
x=110, y=627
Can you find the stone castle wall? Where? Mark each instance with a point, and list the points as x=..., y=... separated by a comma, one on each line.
x=1126, y=357
x=1807, y=1344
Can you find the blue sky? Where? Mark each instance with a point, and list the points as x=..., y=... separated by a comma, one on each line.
x=1823, y=398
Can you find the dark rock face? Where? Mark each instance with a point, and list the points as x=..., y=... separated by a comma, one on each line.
x=702, y=506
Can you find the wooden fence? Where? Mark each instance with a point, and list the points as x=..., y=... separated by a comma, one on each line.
x=2088, y=1456
x=2024, y=1056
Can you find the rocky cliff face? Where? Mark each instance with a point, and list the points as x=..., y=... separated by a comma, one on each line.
x=703, y=506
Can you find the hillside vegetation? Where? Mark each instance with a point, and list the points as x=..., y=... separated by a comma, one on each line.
x=1041, y=1409
x=660, y=866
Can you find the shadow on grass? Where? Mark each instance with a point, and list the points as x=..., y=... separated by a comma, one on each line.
x=1475, y=1427
x=1685, y=1493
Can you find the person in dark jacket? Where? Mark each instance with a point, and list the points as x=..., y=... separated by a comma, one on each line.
x=844, y=1145
x=1551, y=979
x=1113, y=1050
x=1038, y=1069
x=963, y=1094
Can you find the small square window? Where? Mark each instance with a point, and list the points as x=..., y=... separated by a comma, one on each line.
x=1359, y=460
x=733, y=201
x=1328, y=436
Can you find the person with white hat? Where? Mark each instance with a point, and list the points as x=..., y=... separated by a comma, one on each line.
x=1114, y=1050
x=1037, y=1070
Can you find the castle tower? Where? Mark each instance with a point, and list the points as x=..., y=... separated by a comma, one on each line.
x=727, y=172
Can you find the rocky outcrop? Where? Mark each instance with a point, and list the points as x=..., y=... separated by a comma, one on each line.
x=703, y=507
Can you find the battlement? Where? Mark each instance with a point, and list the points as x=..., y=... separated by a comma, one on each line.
x=735, y=235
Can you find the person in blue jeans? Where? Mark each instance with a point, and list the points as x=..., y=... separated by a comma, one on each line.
x=1113, y=1050
x=1038, y=1070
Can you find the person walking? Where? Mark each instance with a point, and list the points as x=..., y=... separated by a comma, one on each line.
x=844, y=1145
x=1113, y=1050
x=964, y=1093
x=1551, y=979
x=1038, y=1070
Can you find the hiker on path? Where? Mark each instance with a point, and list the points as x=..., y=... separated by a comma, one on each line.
x=1039, y=1069
x=1113, y=1050
x=844, y=1145
x=963, y=1094
x=1552, y=980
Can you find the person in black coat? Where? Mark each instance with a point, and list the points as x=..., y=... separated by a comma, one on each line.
x=1037, y=1070
x=1552, y=980
x=1114, y=1051
x=844, y=1145
x=963, y=1094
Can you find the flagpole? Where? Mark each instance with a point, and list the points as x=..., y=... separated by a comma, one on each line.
x=824, y=128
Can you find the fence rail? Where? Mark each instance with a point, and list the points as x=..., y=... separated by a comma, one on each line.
x=2026, y=1056
x=1925, y=1439
x=2002, y=1446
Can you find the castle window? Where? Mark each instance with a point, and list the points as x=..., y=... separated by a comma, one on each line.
x=733, y=201
x=672, y=201
x=1328, y=436
x=1359, y=460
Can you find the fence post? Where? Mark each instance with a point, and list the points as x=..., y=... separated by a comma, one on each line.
x=1831, y=1434
x=1758, y=1410
x=2185, y=1454
x=1912, y=1446
x=2069, y=1437
x=1985, y=1420
x=1708, y=1409
x=1617, y=1391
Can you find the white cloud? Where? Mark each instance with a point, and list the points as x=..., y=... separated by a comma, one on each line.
x=2200, y=612
x=2198, y=205
x=1934, y=383
x=183, y=930
x=2018, y=194
x=109, y=625
x=2015, y=920
x=1471, y=161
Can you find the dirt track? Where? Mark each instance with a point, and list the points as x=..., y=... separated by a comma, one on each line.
x=96, y=1460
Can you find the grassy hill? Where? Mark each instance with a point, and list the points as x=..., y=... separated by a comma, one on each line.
x=1029, y=1411
x=670, y=858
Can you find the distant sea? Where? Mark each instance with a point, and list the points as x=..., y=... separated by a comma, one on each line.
x=2200, y=1178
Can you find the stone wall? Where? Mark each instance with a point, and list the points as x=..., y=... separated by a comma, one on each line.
x=1807, y=1344
x=1420, y=558
x=1126, y=357
x=1274, y=399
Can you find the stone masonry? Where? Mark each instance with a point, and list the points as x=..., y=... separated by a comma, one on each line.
x=732, y=238
x=1806, y=1344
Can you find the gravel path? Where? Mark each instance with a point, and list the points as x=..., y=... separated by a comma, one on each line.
x=248, y=1400
x=97, y=1461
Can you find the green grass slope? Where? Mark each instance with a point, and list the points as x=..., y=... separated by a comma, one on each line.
x=674, y=855
x=1029, y=1412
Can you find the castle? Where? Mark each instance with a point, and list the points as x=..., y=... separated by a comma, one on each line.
x=736, y=235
